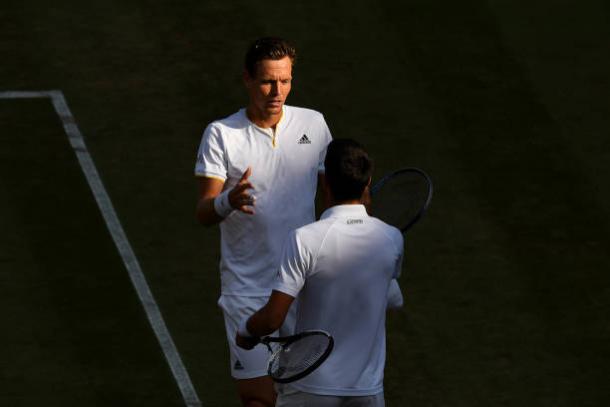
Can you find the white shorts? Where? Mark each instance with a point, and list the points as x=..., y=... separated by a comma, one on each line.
x=288, y=396
x=248, y=364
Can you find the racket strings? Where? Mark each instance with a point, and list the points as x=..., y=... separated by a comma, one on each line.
x=297, y=357
x=401, y=198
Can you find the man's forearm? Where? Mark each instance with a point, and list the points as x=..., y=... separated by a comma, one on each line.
x=270, y=317
x=206, y=214
x=260, y=324
x=264, y=322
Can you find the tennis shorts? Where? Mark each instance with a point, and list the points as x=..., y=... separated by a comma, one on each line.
x=248, y=364
x=288, y=396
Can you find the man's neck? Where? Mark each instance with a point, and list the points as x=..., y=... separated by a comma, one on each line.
x=348, y=202
x=263, y=121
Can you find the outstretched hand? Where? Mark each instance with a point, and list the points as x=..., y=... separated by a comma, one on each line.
x=240, y=196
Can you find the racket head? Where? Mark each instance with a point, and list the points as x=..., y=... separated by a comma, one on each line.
x=402, y=197
x=298, y=355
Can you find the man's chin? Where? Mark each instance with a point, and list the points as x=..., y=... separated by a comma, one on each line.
x=273, y=110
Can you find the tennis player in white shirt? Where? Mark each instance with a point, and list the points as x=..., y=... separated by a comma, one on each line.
x=341, y=269
x=258, y=173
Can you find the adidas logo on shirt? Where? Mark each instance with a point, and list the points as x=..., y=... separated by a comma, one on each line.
x=304, y=140
x=238, y=365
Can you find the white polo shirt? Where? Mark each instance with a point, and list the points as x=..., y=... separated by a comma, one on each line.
x=340, y=268
x=285, y=165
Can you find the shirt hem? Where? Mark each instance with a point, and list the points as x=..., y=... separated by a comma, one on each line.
x=329, y=391
x=286, y=290
x=239, y=375
x=250, y=293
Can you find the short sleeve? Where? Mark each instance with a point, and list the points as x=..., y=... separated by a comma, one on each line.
x=398, y=269
x=211, y=157
x=293, y=267
x=326, y=137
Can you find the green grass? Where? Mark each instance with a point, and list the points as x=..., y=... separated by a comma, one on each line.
x=74, y=331
x=504, y=103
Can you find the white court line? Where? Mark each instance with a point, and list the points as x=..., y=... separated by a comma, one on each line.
x=120, y=239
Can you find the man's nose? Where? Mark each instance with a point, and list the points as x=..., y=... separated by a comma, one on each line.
x=276, y=89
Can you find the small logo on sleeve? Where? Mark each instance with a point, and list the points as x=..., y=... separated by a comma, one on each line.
x=304, y=140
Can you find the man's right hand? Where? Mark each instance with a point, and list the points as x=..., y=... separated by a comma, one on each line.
x=240, y=196
x=245, y=342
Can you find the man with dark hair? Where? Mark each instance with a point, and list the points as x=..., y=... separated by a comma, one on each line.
x=268, y=48
x=259, y=171
x=348, y=169
x=341, y=269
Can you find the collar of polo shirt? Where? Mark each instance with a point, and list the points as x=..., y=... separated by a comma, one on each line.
x=338, y=211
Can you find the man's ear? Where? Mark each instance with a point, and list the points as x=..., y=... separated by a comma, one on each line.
x=366, y=196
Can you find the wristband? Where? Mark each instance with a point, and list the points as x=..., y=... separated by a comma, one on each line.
x=243, y=329
x=222, y=206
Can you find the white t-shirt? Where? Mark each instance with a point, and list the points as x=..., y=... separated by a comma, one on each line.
x=285, y=165
x=340, y=268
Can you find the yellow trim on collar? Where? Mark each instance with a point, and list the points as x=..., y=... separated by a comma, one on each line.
x=275, y=131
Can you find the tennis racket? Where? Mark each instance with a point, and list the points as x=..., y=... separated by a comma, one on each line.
x=402, y=197
x=294, y=357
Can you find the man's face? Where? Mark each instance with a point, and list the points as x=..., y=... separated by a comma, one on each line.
x=269, y=87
